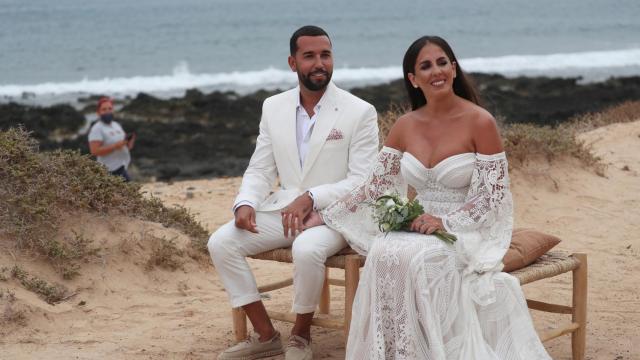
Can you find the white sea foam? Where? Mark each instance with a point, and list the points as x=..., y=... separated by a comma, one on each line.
x=570, y=64
x=554, y=62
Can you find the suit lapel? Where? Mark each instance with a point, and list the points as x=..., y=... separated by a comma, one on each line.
x=327, y=116
x=289, y=132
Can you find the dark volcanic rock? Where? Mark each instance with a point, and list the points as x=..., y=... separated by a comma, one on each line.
x=196, y=135
x=188, y=149
x=217, y=107
x=45, y=123
x=540, y=100
x=549, y=101
x=204, y=135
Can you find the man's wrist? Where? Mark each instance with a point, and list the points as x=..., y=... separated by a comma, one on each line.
x=313, y=200
x=243, y=203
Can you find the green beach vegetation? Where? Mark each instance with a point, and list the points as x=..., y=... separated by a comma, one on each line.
x=39, y=189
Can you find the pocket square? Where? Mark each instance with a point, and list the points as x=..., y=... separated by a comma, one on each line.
x=335, y=134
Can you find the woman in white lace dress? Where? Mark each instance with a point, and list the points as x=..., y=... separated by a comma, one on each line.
x=419, y=297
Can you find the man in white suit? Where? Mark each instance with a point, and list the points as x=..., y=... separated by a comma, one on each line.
x=319, y=141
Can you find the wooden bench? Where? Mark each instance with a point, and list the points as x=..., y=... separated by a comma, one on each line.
x=549, y=265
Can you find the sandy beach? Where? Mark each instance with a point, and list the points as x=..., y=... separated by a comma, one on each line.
x=123, y=309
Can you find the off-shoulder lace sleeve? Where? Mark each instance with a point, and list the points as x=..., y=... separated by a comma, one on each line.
x=352, y=215
x=485, y=222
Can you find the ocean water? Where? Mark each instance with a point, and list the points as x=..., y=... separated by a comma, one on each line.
x=66, y=48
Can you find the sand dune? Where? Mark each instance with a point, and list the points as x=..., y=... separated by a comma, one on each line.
x=124, y=310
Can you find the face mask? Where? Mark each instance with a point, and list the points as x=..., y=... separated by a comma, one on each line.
x=106, y=118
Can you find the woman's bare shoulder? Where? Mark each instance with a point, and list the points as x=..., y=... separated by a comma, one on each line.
x=485, y=129
x=396, y=136
x=477, y=114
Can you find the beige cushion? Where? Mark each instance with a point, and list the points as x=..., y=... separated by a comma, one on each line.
x=526, y=246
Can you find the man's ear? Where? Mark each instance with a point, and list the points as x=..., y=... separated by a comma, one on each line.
x=292, y=63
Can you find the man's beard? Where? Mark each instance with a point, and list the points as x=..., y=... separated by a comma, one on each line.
x=313, y=86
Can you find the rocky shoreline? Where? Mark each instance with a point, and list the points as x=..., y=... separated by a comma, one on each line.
x=211, y=135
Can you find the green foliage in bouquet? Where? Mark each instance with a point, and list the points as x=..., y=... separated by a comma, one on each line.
x=396, y=213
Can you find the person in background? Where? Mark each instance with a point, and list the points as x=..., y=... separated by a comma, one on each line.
x=108, y=141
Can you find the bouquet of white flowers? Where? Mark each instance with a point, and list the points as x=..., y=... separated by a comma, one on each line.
x=395, y=213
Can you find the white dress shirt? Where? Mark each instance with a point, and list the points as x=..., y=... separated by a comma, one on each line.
x=304, y=129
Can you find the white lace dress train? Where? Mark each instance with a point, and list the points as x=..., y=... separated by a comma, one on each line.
x=420, y=298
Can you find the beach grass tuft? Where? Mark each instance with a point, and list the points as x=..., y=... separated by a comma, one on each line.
x=165, y=254
x=526, y=141
x=10, y=314
x=52, y=294
x=624, y=112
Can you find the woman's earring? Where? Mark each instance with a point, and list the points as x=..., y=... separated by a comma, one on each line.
x=415, y=86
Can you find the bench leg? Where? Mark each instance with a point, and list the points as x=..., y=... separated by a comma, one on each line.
x=351, y=279
x=239, y=323
x=325, y=297
x=579, y=314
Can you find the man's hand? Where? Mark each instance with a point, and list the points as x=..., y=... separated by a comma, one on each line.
x=246, y=218
x=294, y=214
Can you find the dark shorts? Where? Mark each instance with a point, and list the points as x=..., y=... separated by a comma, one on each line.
x=121, y=171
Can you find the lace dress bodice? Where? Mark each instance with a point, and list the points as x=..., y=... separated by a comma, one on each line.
x=442, y=188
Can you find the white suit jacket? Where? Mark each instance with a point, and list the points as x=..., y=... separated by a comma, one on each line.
x=343, y=145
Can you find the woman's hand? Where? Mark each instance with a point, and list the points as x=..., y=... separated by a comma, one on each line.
x=427, y=224
x=313, y=219
x=131, y=140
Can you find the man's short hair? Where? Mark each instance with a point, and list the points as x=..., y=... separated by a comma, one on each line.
x=307, y=30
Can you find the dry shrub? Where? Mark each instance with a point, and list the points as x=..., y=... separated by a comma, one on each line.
x=387, y=119
x=525, y=141
x=165, y=254
x=38, y=189
x=625, y=112
x=4, y=271
x=178, y=217
x=66, y=255
x=11, y=315
x=52, y=294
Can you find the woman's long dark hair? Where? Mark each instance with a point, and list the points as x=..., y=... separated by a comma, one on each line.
x=462, y=85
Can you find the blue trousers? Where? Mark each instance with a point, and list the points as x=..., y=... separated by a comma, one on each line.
x=122, y=171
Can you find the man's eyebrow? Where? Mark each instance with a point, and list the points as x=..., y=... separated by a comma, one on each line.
x=313, y=52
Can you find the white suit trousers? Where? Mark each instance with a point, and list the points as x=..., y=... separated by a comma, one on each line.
x=229, y=246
